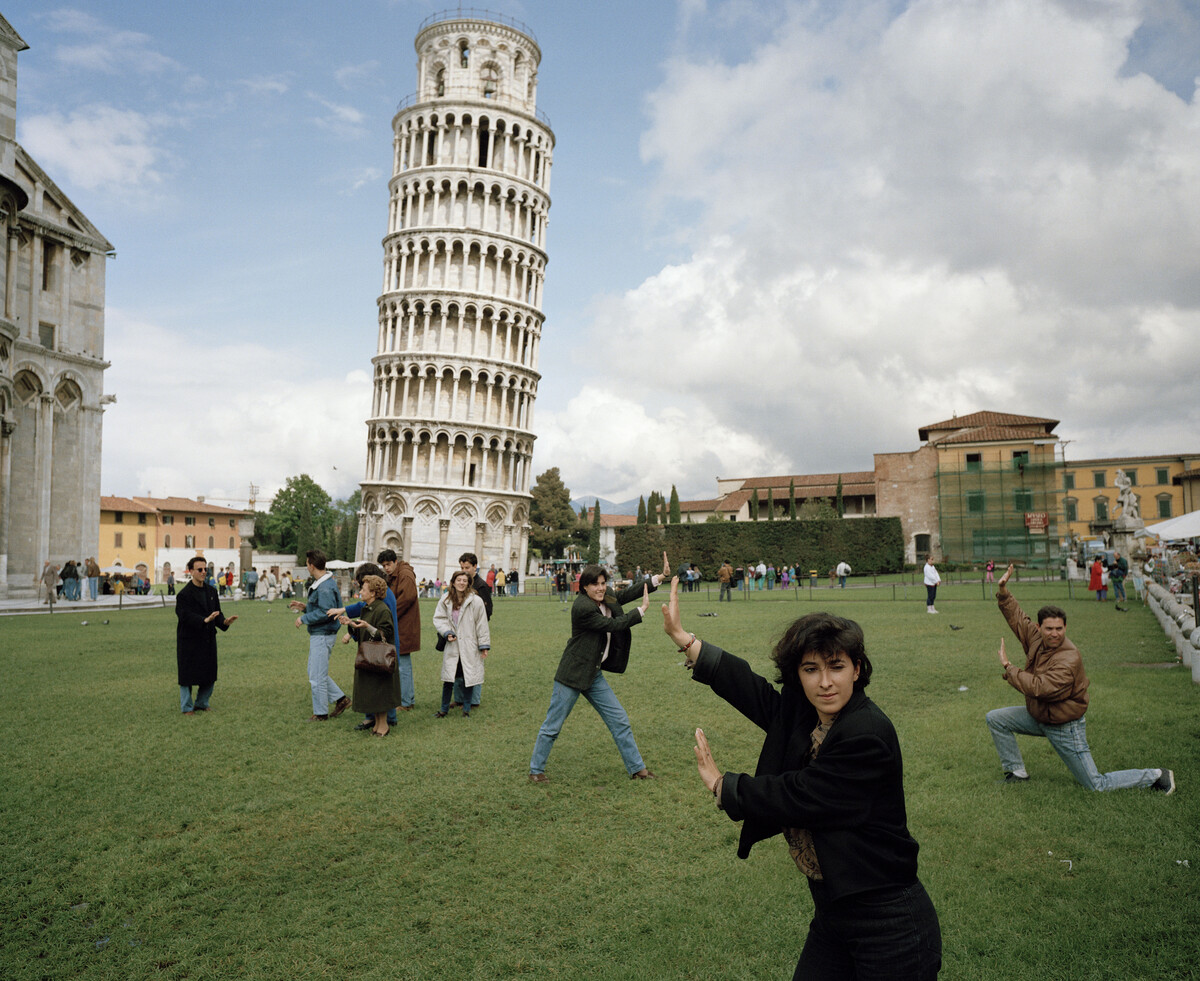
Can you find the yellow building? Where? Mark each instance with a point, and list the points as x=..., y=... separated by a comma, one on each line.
x=128, y=534
x=1089, y=501
x=151, y=531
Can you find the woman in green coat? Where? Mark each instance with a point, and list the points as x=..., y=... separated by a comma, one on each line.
x=374, y=694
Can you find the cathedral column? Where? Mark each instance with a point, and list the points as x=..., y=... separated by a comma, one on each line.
x=7, y=428
x=443, y=536
x=44, y=468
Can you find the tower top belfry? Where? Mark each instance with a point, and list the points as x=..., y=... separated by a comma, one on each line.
x=450, y=437
x=467, y=60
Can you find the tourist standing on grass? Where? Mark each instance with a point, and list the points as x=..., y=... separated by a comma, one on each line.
x=354, y=610
x=375, y=694
x=328, y=700
x=990, y=569
x=843, y=570
x=725, y=578
x=1096, y=582
x=830, y=780
x=600, y=641
x=461, y=618
x=931, y=584
x=1116, y=575
x=199, y=617
x=468, y=562
x=1056, y=698
x=402, y=583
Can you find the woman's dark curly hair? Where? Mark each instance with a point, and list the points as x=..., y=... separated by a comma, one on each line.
x=825, y=635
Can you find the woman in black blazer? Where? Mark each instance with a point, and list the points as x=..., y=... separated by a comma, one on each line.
x=830, y=780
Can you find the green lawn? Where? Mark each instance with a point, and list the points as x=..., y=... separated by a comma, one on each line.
x=248, y=843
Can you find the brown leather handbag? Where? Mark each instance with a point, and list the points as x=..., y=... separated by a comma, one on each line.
x=376, y=656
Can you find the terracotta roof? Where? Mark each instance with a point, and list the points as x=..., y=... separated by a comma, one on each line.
x=985, y=419
x=612, y=520
x=992, y=434
x=810, y=480
x=710, y=505
x=124, y=504
x=186, y=504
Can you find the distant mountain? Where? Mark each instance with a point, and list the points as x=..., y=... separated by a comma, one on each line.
x=606, y=507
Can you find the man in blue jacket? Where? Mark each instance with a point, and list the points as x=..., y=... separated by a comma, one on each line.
x=323, y=595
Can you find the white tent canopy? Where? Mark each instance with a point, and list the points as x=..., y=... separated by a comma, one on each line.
x=1185, y=526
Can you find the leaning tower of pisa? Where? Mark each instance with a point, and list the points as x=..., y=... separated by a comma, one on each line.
x=455, y=375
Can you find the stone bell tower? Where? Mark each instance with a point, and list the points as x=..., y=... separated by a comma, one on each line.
x=450, y=437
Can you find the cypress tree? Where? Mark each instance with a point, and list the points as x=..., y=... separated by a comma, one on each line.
x=675, y=515
x=841, y=508
x=641, y=517
x=792, y=499
x=754, y=505
x=770, y=503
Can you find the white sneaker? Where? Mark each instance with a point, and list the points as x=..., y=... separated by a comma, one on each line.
x=931, y=610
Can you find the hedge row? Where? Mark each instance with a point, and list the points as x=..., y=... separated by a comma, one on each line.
x=868, y=544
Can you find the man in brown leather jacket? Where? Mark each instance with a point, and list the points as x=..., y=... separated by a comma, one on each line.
x=1056, y=698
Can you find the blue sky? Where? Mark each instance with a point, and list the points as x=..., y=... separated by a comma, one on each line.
x=783, y=235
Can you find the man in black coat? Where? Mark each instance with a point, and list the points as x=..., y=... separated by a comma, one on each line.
x=198, y=610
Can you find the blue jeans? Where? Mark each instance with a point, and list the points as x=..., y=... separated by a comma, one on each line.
x=604, y=701
x=875, y=936
x=94, y=586
x=842, y=581
x=464, y=698
x=203, y=694
x=324, y=690
x=1069, y=741
x=1118, y=586
x=459, y=695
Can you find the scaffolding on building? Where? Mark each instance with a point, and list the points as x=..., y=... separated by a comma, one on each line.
x=1006, y=511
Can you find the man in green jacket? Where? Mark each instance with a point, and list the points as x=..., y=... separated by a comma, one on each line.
x=600, y=641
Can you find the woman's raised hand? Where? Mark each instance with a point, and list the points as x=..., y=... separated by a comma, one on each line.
x=709, y=772
x=671, y=623
x=645, y=600
x=666, y=573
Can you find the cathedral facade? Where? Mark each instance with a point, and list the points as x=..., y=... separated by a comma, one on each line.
x=450, y=436
x=52, y=270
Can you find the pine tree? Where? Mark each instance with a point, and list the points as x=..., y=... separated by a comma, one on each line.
x=306, y=534
x=674, y=512
x=663, y=515
x=641, y=517
x=593, y=546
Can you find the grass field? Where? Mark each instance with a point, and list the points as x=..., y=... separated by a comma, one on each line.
x=138, y=843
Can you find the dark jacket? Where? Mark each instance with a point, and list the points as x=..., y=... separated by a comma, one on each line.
x=484, y=591
x=195, y=640
x=851, y=797
x=590, y=629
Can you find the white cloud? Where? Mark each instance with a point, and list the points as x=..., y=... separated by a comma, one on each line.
x=615, y=448
x=894, y=217
x=96, y=146
x=341, y=119
x=350, y=76
x=240, y=412
x=265, y=84
x=105, y=49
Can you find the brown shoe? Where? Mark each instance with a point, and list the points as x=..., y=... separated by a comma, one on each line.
x=642, y=774
x=318, y=718
x=339, y=707
x=456, y=705
x=538, y=778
